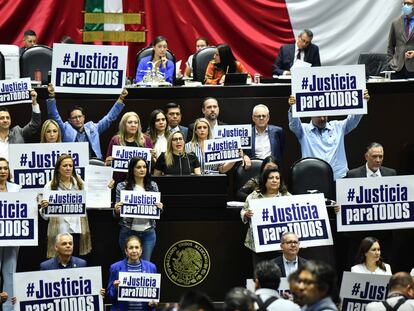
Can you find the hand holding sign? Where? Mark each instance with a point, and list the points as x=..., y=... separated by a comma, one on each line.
x=33, y=95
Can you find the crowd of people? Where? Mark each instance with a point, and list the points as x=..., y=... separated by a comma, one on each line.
x=179, y=150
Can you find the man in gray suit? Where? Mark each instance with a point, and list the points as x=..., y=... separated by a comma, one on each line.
x=400, y=52
x=374, y=156
x=289, y=261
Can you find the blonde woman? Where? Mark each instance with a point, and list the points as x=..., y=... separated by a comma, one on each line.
x=175, y=161
x=202, y=132
x=50, y=132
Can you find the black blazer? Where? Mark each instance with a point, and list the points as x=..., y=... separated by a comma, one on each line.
x=362, y=172
x=279, y=262
x=286, y=57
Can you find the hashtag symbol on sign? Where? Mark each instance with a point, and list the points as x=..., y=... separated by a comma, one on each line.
x=125, y=280
x=305, y=81
x=66, y=59
x=118, y=152
x=351, y=194
x=30, y=290
x=355, y=289
x=265, y=214
x=23, y=159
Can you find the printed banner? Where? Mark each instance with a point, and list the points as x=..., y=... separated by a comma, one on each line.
x=244, y=131
x=359, y=289
x=140, y=287
x=305, y=215
x=375, y=203
x=65, y=203
x=18, y=219
x=59, y=290
x=222, y=150
x=89, y=69
x=32, y=165
x=122, y=154
x=329, y=91
x=138, y=204
x=15, y=91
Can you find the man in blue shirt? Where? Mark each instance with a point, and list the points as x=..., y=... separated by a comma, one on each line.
x=324, y=139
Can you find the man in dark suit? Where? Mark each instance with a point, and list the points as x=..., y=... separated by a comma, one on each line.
x=63, y=258
x=303, y=49
x=374, y=156
x=400, y=51
x=173, y=112
x=289, y=261
x=266, y=139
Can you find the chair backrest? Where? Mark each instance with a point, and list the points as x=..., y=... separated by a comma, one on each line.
x=38, y=57
x=312, y=174
x=96, y=161
x=148, y=51
x=2, y=67
x=374, y=63
x=200, y=62
x=241, y=176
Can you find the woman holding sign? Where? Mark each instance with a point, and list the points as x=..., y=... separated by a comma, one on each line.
x=8, y=254
x=270, y=186
x=369, y=258
x=138, y=179
x=132, y=263
x=202, y=132
x=65, y=178
x=175, y=161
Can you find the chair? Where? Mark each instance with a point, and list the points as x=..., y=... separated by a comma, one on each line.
x=374, y=63
x=241, y=176
x=2, y=67
x=37, y=57
x=148, y=51
x=96, y=161
x=200, y=62
x=309, y=174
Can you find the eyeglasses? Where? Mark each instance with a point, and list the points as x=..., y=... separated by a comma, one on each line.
x=260, y=116
x=291, y=242
x=77, y=117
x=177, y=139
x=306, y=282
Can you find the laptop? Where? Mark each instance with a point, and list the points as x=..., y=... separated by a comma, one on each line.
x=235, y=79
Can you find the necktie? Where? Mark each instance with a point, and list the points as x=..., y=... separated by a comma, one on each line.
x=298, y=55
x=374, y=175
x=407, y=27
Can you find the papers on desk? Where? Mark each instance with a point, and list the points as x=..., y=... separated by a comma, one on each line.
x=178, y=73
x=300, y=64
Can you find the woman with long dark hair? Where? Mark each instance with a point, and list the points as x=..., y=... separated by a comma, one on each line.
x=224, y=62
x=158, y=132
x=369, y=259
x=139, y=179
x=157, y=61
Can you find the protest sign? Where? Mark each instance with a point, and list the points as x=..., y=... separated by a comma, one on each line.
x=15, y=91
x=140, y=287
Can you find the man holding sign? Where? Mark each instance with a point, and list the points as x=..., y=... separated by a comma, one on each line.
x=76, y=130
x=324, y=139
x=18, y=135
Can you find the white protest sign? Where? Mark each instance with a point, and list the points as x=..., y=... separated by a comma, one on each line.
x=222, y=150
x=305, y=215
x=32, y=165
x=122, y=154
x=359, y=289
x=244, y=131
x=65, y=203
x=140, y=287
x=62, y=289
x=282, y=289
x=375, y=203
x=329, y=91
x=15, y=91
x=18, y=219
x=89, y=69
x=139, y=204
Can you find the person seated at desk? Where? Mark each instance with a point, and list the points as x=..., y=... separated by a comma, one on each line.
x=224, y=62
x=202, y=132
x=303, y=50
x=175, y=161
x=369, y=258
x=156, y=62
x=270, y=186
x=201, y=43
